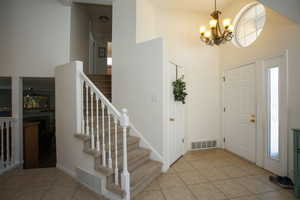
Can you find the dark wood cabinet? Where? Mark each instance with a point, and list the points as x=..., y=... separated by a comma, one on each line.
x=31, y=145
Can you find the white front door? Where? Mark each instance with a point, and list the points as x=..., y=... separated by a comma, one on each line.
x=275, y=130
x=240, y=111
x=176, y=122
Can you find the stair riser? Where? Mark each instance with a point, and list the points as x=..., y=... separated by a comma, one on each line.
x=140, y=187
x=131, y=146
x=132, y=164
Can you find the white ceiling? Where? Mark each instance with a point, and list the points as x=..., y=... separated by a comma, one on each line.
x=206, y=6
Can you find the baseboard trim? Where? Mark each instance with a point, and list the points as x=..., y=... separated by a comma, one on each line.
x=66, y=170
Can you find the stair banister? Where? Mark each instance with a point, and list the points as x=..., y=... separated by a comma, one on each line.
x=7, y=136
x=93, y=93
x=109, y=105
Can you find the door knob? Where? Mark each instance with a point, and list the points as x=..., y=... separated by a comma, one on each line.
x=252, y=121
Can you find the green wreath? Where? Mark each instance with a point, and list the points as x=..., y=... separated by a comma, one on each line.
x=179, y=90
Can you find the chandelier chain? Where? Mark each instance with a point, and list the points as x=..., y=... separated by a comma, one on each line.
x=215, y=5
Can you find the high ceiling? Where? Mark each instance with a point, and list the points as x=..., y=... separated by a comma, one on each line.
x=196, y=5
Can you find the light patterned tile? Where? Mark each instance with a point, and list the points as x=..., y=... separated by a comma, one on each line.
x=153, y=186
x=234, y=172
x=214, y=174
x=59, y=192
x=221, y=162
x=86, y=194
x=276, y=196
x=232, y=189
x=254, y=185
x=178, y=193
x=192, y=177
x=151, y=195
x=265, y=179
x=201, y=164
x=31, y=194
x=182, y=166
x=246, y=198
x=207, y=191
x=169, y=181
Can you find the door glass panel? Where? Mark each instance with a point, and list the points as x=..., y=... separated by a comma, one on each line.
x=273, y=116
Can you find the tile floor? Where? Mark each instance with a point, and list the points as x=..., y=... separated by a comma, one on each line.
x=199, y=175
x=42, y=184
x=214, y=175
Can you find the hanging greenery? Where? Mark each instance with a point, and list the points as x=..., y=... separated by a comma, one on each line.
x=179, y=88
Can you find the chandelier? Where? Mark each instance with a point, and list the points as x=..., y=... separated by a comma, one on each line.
x=215, y=35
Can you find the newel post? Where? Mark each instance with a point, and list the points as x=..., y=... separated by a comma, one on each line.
x=125, y=174
x=77, y=69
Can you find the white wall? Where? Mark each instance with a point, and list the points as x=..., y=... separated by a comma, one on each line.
x=145, y=21
x=35, y=37
x=289, y=8
x=179, y=29
x=279, y=34
x=69, y=149
x=79, y=36
x=137, y=80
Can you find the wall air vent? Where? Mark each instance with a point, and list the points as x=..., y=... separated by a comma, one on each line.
x=204, y=144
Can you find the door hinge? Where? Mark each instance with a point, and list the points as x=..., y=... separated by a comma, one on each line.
x=224, y=109
x=224, y=140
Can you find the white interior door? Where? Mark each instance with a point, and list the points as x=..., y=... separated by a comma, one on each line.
x=240, y=111
x=176, y=122
x=275, y=115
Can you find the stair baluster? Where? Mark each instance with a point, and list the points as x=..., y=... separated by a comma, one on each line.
x=2, y=144
x=97, y=118
x=7, y=126
x=82, y=105
x=87, y=109
x=92, y=121
x=103, y=136
x=116, y=152
x=109, y=141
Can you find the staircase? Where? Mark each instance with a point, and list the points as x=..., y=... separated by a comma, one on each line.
x=128, y=168
x=103, y=83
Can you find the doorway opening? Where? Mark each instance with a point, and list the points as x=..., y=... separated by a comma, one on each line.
x=39, y=123
x=91, y=42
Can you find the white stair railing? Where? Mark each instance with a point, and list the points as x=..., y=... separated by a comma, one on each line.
x=92, y=98
x=7, y=141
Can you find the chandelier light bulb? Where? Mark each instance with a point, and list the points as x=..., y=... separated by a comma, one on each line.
x=226, y=23
x=207, y=34
x=231, y=28
x=213, y=23
x=202, y=30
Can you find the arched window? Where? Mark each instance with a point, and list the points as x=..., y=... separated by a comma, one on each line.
x=249, y=24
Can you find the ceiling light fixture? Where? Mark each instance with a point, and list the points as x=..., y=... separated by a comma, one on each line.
x=215, y=35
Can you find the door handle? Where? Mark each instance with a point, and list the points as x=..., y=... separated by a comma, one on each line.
x=252, y=120
x=172, y=119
